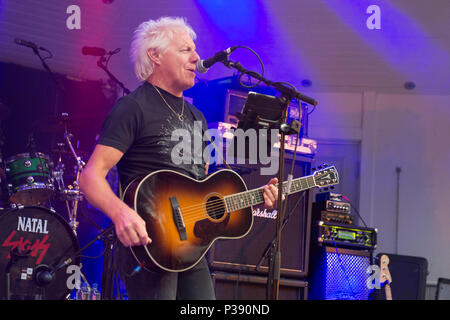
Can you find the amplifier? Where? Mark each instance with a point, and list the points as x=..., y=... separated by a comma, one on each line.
x=333, y=206
x=327, y=216
x=343, y=235
x=332, y=210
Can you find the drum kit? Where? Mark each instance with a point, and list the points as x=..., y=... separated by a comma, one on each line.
x=36, y=243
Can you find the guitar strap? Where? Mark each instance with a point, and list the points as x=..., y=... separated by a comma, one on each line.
x=197, y=116
x=119, y=190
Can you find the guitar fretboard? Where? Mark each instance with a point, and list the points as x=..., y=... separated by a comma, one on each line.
x=253, y=197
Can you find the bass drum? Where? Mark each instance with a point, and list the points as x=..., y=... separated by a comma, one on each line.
x=33, y=239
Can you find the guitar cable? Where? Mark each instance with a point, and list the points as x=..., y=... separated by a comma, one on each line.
x=354, y=208
x=136, y=270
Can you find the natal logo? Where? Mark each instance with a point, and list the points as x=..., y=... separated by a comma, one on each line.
x=35, y=247
x=34, y=225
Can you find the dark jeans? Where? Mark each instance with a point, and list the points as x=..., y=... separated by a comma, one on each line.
x=193, y=284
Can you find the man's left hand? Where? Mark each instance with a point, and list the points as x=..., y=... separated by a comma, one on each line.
x=271, y=194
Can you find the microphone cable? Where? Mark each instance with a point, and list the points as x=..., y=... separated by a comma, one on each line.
x=252, y=72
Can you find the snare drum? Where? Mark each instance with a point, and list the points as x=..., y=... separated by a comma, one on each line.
x=29, y=178
x=45, y=239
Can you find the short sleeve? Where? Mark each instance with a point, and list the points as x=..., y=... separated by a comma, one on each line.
x=121, y=125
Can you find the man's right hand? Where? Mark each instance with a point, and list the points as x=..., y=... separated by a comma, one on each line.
x=130, y=228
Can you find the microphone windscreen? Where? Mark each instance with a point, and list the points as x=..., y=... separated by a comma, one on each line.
x=200, y=68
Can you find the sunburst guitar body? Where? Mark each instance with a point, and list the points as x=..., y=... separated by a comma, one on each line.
x=185, y=216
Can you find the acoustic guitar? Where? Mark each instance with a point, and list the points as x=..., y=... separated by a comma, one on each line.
x=185, y=216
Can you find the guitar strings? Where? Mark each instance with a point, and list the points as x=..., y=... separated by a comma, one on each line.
x=193, y=212
x=216, y=203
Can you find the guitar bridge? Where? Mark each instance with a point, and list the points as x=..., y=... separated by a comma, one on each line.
x=178, y=218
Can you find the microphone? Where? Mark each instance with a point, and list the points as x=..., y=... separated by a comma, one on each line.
x=93, y=51
x=28, y=44
x=43, y=275
x=203, y=65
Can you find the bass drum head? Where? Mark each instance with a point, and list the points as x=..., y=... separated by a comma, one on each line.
x=42, y=238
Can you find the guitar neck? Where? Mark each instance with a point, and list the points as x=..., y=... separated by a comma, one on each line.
x=388, y=292
x=253, y=197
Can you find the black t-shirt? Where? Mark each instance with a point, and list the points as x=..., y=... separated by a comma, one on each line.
x=141, y=125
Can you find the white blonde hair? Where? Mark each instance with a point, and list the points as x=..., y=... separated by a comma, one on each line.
x=155, y=35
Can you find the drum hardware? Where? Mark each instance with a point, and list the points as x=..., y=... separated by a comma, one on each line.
x=57, y=125
x=17, y=254
x=73, y=193
x=58, y=171
x=44, y=274
x=32, y=178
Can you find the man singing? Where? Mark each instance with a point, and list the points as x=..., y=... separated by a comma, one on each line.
x=136, y=135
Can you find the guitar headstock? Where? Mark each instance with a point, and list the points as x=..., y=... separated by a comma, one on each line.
x=385, y=275
x=325, y=177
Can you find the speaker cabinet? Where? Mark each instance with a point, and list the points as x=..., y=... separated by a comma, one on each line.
x=443, y=289
x=338, y=274
x=409, y=277
x=244, y=255
x=235, y=286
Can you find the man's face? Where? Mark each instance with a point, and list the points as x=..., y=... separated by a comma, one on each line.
x=177, y=62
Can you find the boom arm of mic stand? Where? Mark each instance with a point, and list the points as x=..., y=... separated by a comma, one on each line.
x=102, y=66
x=55, y=80
x=286, y=91
x=46, y=67
x=70, y=259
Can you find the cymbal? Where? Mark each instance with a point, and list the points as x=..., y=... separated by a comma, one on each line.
x=59, y=123
x=65, y=152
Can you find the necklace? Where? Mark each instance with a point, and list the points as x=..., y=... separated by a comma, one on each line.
x=179, y=115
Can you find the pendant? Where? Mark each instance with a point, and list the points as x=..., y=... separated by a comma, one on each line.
x=180, y=116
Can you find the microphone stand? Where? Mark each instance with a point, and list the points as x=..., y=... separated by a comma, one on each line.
x=288, y=94
x=59, y=88
x=271, y=244
x=46, y=275
x=104, y=67
x=46, y=67
x=275, y=257
x=286, y=91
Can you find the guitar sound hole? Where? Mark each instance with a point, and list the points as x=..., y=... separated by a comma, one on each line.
x=215, y=207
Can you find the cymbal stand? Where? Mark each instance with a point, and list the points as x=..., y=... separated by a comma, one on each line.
x=73, y=193
x=58, y=172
